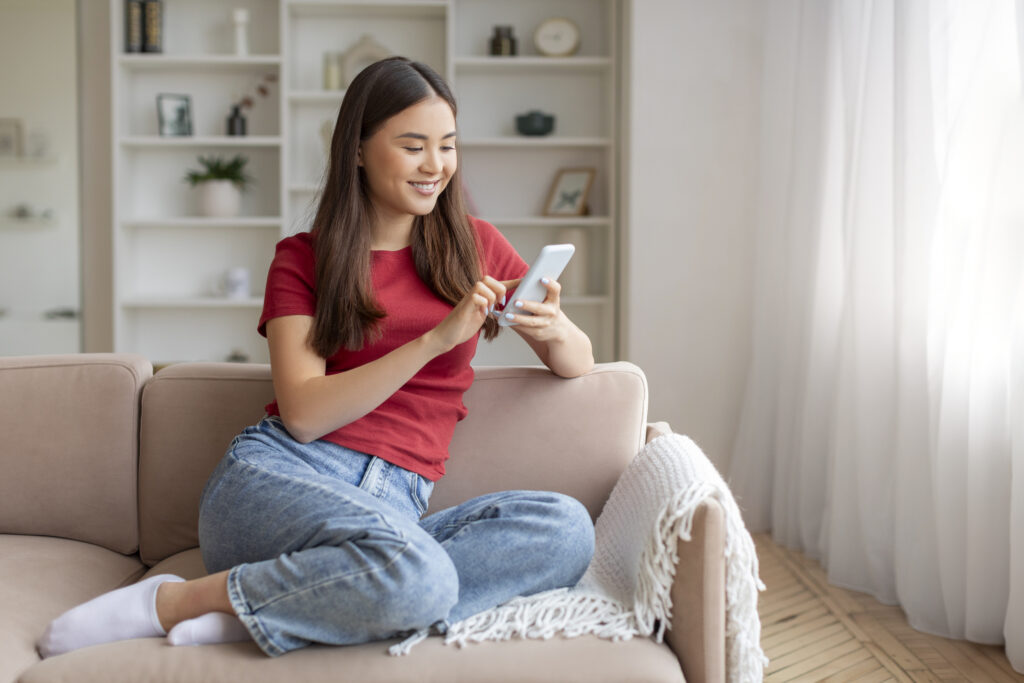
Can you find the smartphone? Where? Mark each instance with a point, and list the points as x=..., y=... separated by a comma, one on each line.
x=550, y=263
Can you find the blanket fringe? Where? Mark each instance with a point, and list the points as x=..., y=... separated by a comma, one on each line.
x=406, y=646
x=545, y=615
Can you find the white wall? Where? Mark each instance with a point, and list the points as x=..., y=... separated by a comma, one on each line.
x=694, y=80
x=39, y=261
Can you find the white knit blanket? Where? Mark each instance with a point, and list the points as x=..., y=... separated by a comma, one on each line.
x=626, y=590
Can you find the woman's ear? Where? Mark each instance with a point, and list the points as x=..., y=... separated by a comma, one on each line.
x=359, y=155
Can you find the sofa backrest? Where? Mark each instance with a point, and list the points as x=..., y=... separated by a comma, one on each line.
x=69, y=446
x=526, y=429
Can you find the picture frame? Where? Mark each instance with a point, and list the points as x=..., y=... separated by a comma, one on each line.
x=569, y=192
x=174, y=114
x=10, y=138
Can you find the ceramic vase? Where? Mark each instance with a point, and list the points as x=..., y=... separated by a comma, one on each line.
x=219, y=199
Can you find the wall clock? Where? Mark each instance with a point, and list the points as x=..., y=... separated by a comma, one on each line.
x=557, y=37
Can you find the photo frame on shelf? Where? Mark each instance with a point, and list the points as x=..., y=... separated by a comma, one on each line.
x=10, y=138
x=174, y=114
x=569, y=192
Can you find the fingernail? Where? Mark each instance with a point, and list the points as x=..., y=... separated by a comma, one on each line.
x=509, y=316
x=519, y=304
x=545, y=280
x=502, y=299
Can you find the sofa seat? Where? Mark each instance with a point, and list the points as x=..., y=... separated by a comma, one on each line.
x=41, y=577
x=586, y=659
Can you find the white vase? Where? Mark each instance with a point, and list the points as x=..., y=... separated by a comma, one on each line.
x=219, y=199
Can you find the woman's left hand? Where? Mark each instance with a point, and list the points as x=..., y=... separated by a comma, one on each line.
x=548, y=322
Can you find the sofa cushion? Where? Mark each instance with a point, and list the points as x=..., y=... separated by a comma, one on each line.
x=529, y=429
x=586, y=659
x=69, y=454
x=41, y=578
x=190, y=414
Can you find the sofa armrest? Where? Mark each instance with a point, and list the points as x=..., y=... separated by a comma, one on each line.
x=697, y=631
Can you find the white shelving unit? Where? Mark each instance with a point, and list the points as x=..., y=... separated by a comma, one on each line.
x=169, y=261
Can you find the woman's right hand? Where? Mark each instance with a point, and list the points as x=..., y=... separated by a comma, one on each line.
x=469, y=314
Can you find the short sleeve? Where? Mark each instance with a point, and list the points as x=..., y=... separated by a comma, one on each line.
x=290, y=281
x=500, y=259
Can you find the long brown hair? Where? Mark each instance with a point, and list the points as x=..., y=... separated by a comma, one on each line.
x=444, y=244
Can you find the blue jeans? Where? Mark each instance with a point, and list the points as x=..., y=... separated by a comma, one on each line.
x=327, y=545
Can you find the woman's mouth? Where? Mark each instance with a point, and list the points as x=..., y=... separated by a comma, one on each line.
x=426, y=188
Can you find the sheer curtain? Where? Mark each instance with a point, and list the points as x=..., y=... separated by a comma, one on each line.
x=883, y=424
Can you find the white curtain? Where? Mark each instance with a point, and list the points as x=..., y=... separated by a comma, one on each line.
x=883, y=424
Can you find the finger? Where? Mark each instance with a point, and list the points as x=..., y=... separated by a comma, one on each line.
x=497, y=287
x=480, y=303
x=554, y=289
x=524, y=320
x=537, y=308
x=482, y=289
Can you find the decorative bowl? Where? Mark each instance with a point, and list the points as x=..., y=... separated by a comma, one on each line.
x=535, y=123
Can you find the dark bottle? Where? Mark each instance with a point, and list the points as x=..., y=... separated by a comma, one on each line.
x=503, y=42
x=133, y=26
x=236, y=122
x=152, y=26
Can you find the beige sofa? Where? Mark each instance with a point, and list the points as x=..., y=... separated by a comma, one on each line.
x=102, y=463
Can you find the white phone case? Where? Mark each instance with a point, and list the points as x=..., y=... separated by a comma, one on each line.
x=550, y=263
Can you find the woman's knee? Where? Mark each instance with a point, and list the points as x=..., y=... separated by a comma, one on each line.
x=574, y=533
x=425, y=588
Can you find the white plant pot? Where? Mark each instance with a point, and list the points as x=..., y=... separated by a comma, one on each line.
x=219, y=199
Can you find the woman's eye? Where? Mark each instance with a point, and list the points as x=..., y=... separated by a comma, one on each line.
x=448, y=148
x=414, y=149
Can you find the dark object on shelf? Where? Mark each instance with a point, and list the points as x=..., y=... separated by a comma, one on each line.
x=503, y=42
x=133, y=26
x=61, y=313
x=152, y=26
x=237, y=356
x=535, y=123
x=236, y=122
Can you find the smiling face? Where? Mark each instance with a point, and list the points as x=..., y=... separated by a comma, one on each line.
x=409, y=160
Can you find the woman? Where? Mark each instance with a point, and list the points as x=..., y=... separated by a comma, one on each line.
x=311, y=524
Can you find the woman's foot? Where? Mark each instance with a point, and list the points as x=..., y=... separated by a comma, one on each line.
x=128, y=612
x=215, y=627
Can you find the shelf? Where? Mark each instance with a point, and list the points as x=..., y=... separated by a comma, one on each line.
x=527, y=141
x=140, y=141
x=403, y=9
x=191, y=302
x=203, y=222
x=156, y=62
x=11, y=222
x=517, y=63
x=27, y=161
x=316, y=96
x=585, y=300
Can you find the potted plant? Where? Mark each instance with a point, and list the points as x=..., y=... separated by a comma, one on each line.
x=221, y=183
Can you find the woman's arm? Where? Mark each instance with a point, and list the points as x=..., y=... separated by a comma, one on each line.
x=313, y=403
x=556, y=340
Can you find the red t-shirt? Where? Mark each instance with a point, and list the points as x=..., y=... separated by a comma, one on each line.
x=413, y=427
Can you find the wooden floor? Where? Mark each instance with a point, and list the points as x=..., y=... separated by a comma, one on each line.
x=812, y=631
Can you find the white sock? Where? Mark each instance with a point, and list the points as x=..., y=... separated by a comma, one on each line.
x=215, y=627
x=128, y=612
